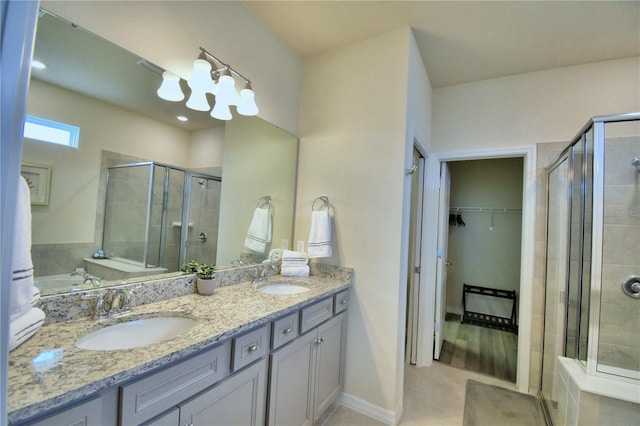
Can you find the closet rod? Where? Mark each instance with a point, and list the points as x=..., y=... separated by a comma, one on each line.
x=483, y=210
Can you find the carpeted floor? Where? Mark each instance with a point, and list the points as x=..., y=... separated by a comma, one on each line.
x=488, y=405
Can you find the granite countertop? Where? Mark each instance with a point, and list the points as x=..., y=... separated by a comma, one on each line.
x=48, y=371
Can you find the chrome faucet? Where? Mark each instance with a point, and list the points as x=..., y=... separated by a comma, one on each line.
x=102, y=306
x=109, y=303
x=120, y=303
x=95, y=281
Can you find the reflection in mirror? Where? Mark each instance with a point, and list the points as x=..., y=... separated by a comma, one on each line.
x=110, y=94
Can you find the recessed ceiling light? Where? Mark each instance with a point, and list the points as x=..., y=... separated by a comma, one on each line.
x=182, y=118
x=38, y=64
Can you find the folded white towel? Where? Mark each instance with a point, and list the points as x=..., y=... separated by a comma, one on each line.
x=259, y=234
x=21, y=289
x=295, y=271
x=35, y=297
x=24, y=326
x=294, y=258
x=320, y=234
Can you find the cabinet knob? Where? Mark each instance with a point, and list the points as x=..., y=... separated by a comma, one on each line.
x=287, y=330
x=343, y=301
x=320, y=341
x=252, y=348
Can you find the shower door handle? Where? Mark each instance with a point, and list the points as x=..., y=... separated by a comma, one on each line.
x=202, y=237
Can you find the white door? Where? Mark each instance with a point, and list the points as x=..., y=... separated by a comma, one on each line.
x=442, y=263
x=415, y=243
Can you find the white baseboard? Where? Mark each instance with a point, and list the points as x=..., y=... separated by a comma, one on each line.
x=454, y=310
x=374, y=411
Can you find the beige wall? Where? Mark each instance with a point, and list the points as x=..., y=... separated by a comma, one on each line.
x=259, y=161
x=71, y=213
x=352, y=149
x=525, y=109
x=166, y=33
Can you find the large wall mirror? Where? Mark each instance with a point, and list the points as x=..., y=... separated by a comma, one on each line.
x=142, y=186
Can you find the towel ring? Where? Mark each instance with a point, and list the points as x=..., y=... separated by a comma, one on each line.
x=266, y=199
x=322, y=198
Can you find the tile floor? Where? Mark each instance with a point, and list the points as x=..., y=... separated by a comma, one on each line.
x=433, y=396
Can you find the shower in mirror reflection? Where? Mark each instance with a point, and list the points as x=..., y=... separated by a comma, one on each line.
x=211, y=76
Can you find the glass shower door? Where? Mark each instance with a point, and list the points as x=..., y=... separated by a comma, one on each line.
x=203, y=212
x=556, y=278
x=618, y=350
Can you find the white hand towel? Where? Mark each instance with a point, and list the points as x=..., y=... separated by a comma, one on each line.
x=295, y=271
x=294, y=258
x=259, y=234
x=21, y=289
x=24, y=326
x=320, y=234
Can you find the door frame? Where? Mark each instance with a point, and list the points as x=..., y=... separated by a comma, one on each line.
x=414, y=278
x=527, y=257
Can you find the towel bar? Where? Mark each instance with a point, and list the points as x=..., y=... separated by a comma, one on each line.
x=323, y=198
x=266, y=199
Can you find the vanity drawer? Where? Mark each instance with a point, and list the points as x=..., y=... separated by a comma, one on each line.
x=315, y=314
x=284, y=330
x=154, y=394
x=250, y=347
x=341, y=301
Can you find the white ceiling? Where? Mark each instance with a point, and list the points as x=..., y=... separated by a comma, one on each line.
x=465, y=41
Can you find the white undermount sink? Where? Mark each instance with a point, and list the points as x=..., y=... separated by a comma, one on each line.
x=281, y=288
x=135, y=333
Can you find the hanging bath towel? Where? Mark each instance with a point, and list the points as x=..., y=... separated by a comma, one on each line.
x=320, y=234
x=259, y=234
x=21, y=290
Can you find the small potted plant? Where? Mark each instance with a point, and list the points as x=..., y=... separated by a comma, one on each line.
x=205, y=273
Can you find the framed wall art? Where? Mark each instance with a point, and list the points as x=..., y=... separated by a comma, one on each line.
x=38, y=177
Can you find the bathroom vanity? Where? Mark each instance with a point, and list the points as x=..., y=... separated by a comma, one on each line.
x=251, y=359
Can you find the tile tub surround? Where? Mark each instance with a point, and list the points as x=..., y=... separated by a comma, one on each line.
x=76, y=373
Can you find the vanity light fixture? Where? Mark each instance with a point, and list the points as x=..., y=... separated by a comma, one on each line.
x=211, y=76
x=170, y=88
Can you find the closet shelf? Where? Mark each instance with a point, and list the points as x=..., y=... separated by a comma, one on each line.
x=483, y=210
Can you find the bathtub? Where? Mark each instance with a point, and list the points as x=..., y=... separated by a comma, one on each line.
x=49, y=284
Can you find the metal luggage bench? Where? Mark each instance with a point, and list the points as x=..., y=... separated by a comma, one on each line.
x=487, y=320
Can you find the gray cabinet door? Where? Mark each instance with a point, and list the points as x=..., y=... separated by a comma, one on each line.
x=291, y=382
x=85, y=414
x=238, y=400
x=329, y=364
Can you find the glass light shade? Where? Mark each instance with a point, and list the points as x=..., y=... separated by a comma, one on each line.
x=226, y=91
x=247, y=104
x=200, y=79
x=170, y=88
x=198, y=101
x=221, y=111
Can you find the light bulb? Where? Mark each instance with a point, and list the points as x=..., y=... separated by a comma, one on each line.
x=221, y=111
x=226, y=90
x=170, y=88
x=247, y=104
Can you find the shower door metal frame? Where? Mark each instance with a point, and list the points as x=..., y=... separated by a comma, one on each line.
x=599, y=124
x=564, y=156
x=186, y=196
x=186, y=209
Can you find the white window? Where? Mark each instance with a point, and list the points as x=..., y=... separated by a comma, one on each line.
x=44, y=130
